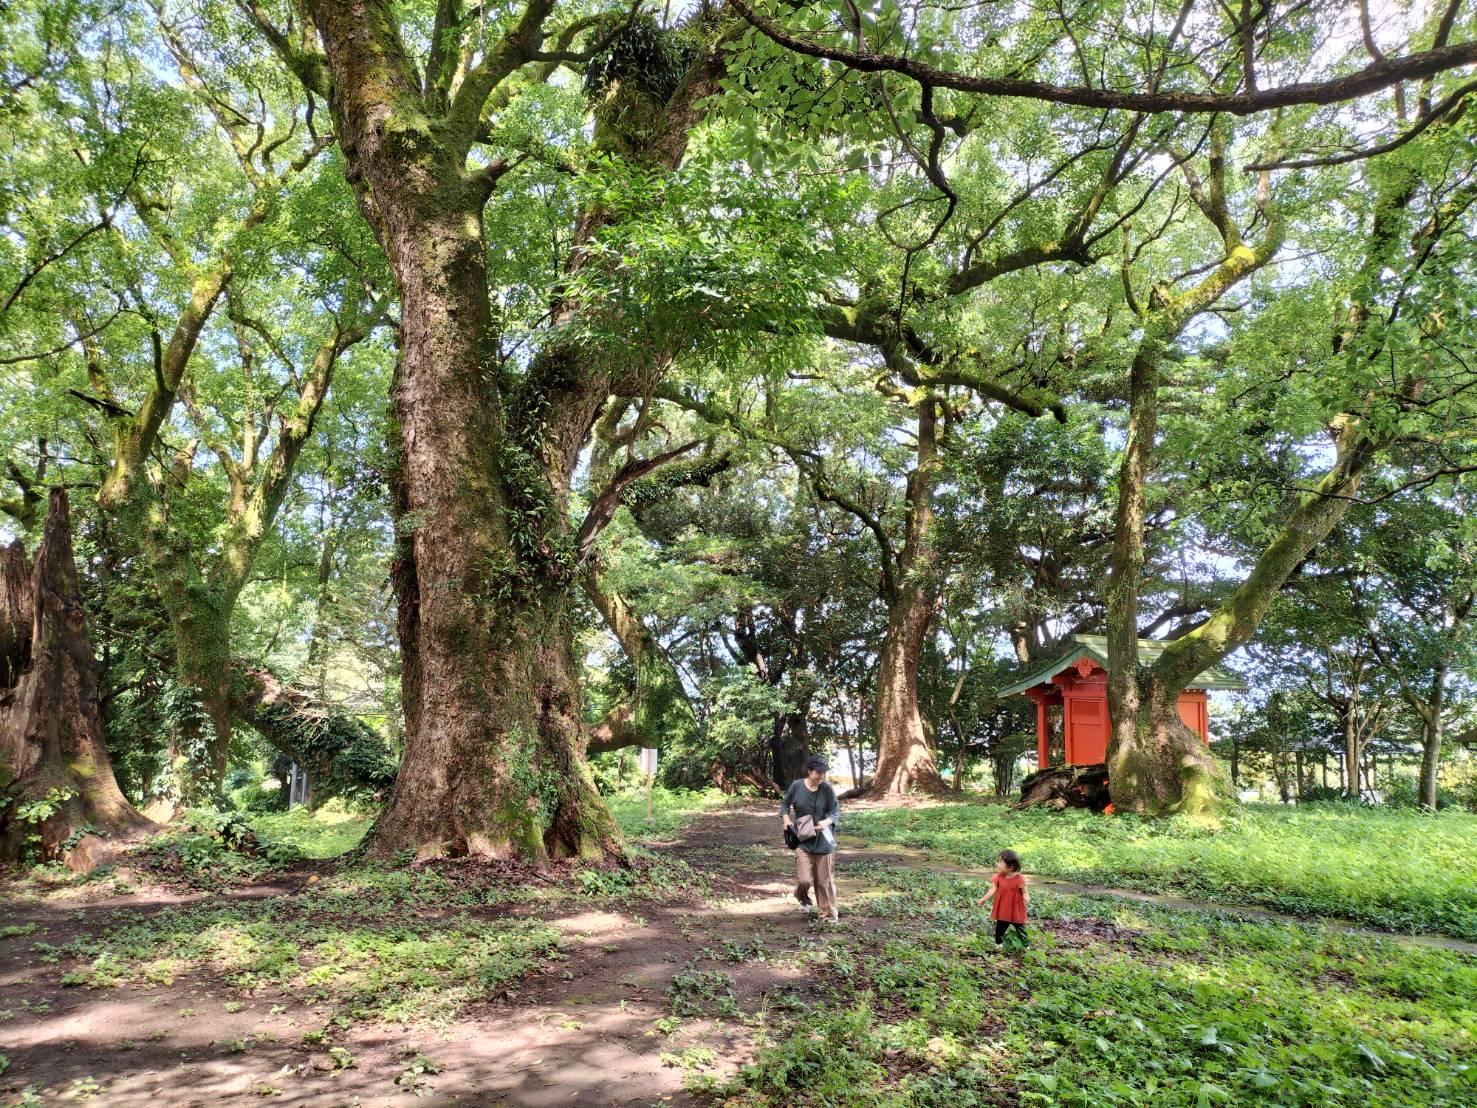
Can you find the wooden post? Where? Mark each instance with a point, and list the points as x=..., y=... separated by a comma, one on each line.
x=1043, y=736
x=648, y=767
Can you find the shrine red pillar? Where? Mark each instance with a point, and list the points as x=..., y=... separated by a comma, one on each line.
x=1043, y=735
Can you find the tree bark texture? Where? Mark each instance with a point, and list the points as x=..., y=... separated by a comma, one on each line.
x=51, y=731
x=905, y=761
x=485, y=565
x=1431, y=737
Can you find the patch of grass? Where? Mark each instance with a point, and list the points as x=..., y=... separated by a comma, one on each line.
x=672, y=809
x=694, y=991
x=332, y=830
x=1114, y=1003
x=16, y=930
x=412, y=957
x=1395, y=869
x=649, y=876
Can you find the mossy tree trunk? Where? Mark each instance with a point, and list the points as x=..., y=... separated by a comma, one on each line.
x=52, y=746
x=130, y=499
x=905, y=761
x=1155, y=763
x=485, y=564
x=340, y=754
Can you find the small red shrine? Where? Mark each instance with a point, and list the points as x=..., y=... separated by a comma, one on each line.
x=1071, y=697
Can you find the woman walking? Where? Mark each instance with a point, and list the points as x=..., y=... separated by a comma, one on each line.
x=810, y=811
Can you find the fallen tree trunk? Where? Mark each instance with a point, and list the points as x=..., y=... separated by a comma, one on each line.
x=1061, y=787
x=342, y=756
x=58, y=796
x=659, y=710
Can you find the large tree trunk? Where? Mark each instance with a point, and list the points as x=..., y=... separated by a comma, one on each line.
x=1353, y=752
x=1164, y=766
x=905, y=761
x=51, y=732
x=1430, y=709
x=1155, y=763
x=494, y=759
x=792, y=744
x=17, y=614
x=202, y=649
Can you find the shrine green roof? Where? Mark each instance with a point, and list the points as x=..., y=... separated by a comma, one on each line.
x=1095, y=647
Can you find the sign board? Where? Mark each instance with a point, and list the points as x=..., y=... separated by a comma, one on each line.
x=648, y=762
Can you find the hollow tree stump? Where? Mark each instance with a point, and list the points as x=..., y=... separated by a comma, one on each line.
x=51, y=731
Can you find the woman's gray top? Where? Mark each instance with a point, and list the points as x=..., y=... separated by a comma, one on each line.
x=818, y=805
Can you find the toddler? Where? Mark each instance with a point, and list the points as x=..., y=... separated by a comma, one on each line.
x=1009, y=896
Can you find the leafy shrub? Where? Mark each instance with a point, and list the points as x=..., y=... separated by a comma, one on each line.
x=35, y=812
x=1405, y=792
x=254, y=797
x=211, y=848
x=831, y=1058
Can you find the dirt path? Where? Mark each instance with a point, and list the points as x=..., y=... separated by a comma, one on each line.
x=753, y=829
x=909, y=858
x=594, y=1029
x=590, y=1030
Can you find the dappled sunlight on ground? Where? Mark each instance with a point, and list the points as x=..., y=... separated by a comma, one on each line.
x=485, y=984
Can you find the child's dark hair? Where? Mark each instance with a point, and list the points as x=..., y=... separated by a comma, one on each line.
x=1012, y=860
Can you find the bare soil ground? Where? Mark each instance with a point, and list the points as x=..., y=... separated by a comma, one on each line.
x=580, y=1032
x=591, y=1029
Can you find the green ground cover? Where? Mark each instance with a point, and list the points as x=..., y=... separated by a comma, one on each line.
x=326, y=833
x=367, y=942
x=1398, y=870
x=672, y=809
x=1113, y=1003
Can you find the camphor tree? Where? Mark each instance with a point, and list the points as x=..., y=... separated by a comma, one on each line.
x=1398, y=374
x=247, y=390
x=1234, y=65
x=427, y=115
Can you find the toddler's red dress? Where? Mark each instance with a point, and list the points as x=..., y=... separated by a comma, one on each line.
x=1010, y=898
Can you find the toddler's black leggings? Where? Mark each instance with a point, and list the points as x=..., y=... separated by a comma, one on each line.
x=1000, y=929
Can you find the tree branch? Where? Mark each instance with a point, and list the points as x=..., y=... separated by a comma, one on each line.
x=602, y=511
x=1372, y=78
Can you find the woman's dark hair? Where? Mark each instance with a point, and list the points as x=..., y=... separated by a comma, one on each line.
x=815, y=761
x=1012, y=860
